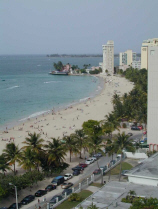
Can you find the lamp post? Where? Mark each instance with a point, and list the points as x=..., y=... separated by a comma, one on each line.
x=15, y=194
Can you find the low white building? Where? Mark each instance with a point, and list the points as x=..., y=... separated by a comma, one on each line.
x=146, y=173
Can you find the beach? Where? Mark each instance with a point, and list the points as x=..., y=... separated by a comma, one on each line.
x=57, y=124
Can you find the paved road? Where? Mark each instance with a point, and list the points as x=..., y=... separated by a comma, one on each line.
x=87, y=171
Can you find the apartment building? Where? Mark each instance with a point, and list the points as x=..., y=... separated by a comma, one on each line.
x=108, y=57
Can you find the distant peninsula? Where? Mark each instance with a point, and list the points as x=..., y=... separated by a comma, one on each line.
x=80, y=55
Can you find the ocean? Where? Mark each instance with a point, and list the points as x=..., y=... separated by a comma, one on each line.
x=28, y=90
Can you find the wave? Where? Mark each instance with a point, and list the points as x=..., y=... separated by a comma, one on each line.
x=52, y=82
x=99, y=88
x=13, y=87
x=35, y=115
x=84, y=99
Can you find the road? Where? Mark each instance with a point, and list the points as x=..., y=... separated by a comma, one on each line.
x=87, y=171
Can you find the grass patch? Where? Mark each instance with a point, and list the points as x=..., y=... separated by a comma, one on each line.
x=116, y=170
x=96, y=185
x=68, y=205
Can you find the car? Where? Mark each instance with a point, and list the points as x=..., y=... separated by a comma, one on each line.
x=124, y=172
x=67, y=191
x=93, y=158
x=145, y=132
x=83, y=165
x=58, y=180
x=66, y=185
x=68, y=176
x=76, y=172
x=54, y=200
x=50, y=187
x=89, y=161
x=13, y=206
x=140, y=127
x=104, y=168
x=79, y=168
x=27, y=199
x=40, y=193
x=97, y=171
x=135, y=128
x=130, y=134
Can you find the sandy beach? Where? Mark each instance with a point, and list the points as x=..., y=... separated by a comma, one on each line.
x=66, y=121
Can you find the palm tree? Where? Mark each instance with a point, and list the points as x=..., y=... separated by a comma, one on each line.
x=81, y=138
x=56, y=152
x=12, y=154
x=28, y=159
x=35, y=143
x=92, y=206
x=71, y=144
x=110, y=149
x=122, y=142
x=4, y=166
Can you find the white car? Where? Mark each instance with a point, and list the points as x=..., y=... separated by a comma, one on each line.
x=93, y=158
x=68, y=176
x=89, y=161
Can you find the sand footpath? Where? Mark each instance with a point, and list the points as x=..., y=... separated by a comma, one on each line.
x=66, y=121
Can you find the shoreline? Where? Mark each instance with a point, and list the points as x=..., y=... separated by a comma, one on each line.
x=66, y=121
x=18, y=122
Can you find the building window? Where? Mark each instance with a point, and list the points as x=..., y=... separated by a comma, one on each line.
x=152, y=52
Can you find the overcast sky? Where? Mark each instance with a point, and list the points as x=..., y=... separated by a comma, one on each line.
x=75, y=26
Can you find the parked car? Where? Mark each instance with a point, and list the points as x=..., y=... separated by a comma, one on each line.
x=97, y=171
x=50, y=187
x=67, y=191
x=130, y=134
x=66, y=185
x=27, y=199
x=140, y=127
x=58, y=180
x=104, y=168
x=135, y=128
x=13, y=206
x=68, y=176
x=53, y=200
x=40, y=193
x=93, y=158
x=79, y=168
x=124, y=172
x=89, y=161
x=83, y=165
x=76, y=172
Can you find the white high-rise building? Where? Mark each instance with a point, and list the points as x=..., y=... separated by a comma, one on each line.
x=127, y=57
x=152, y=117
x=144, y=51
x=108, y=57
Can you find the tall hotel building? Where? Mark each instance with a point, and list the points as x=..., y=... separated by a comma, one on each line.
x=108, y=57
x=150, y=62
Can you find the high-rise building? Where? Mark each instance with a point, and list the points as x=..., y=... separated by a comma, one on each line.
x=152, y=117
x=108, y=57
x=127, y=57
x=144, y=51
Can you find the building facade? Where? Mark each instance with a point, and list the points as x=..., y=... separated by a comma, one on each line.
x=152, y=119
x=144, y=51
x=127, y=57
x=136, y=64
x=108, y=57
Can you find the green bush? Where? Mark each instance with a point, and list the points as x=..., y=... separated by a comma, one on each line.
x=124, y=125
x=74, y=197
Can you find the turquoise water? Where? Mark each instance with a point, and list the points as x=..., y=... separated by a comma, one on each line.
x=27, y=90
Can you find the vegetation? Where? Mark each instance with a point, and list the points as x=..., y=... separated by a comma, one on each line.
x=58, y=66
x=96, y=71
x=68, y=205
x=116, y=170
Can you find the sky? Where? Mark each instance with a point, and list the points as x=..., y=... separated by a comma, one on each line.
x=75, y=26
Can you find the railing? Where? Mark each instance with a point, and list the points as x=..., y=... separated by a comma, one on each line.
x=82, y=184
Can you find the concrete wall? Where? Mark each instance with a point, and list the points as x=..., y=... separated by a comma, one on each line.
x=152, y=94
x=143, y=180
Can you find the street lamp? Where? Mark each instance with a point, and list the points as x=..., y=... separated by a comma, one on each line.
x=15, y=194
